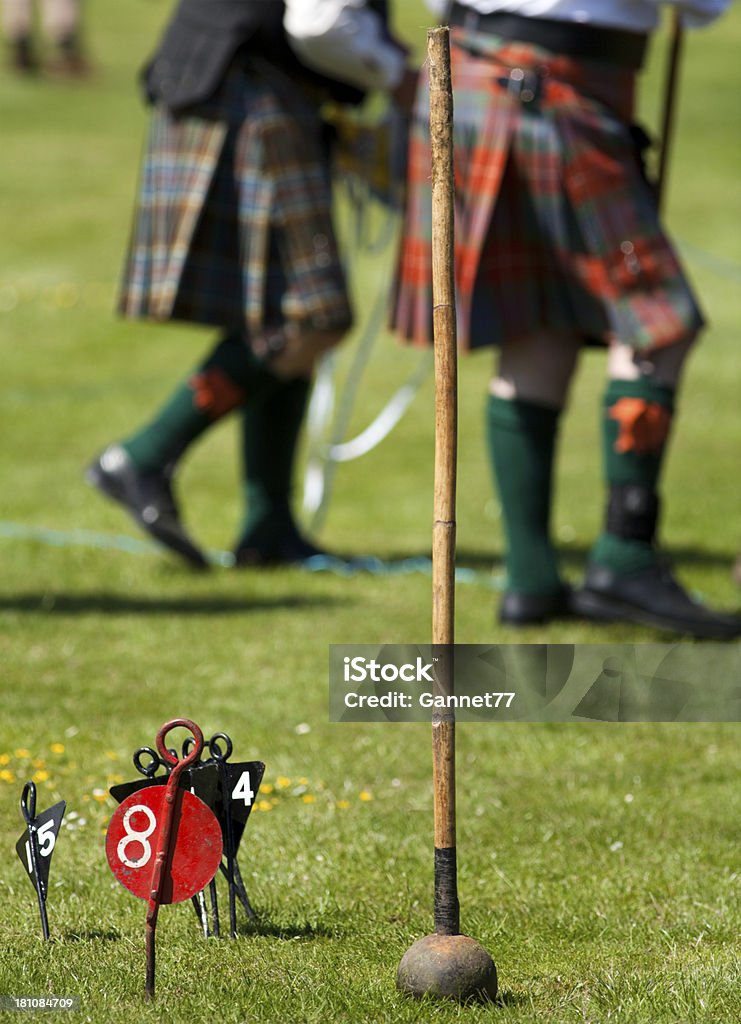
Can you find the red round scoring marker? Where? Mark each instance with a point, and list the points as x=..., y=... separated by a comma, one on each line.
x=133, y=839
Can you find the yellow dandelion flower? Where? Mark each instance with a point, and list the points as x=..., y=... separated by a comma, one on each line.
x=365, y=795
x=38, y=762
x=22, y=752
x=6, y=775
x=282, y=782
x=264, y=805
x=4, y=758
x=267, y=788
x=303, y=781
x=343, y=804
x=308, y=798
x=111, y=755
x=57, y=748
x=100, y=795
x=40, y=776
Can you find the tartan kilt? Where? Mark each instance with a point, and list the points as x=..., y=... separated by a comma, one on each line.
x=556, y=225
x=233, y=223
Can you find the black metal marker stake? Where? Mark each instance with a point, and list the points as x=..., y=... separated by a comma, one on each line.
x=220, y=758
x=214, y=908
x=241, y=890
x=28, y=807
x=199, y=901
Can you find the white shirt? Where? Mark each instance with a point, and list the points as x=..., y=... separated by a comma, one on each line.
x=345, y=40
x=634, y=15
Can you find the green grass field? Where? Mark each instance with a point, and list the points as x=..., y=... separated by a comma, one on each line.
x=598, y=863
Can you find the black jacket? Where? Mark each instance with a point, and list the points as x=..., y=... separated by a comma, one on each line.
x=204, y=36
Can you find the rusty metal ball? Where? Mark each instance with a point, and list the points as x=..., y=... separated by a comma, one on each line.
x=450, y=966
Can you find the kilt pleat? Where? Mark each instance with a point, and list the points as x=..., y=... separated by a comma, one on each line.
x=556, y=226
x=182, y=156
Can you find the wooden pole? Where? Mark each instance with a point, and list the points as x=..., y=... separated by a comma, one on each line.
x=670, y=97
x=447, y=912
x=446, y=963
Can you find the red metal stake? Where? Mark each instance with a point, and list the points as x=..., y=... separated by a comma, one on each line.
x=163, y=843
x=168, y=835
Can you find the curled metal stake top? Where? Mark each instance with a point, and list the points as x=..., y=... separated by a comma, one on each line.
x=28, y=803
x=169, y=757
x=215, y=750
x=150, y=767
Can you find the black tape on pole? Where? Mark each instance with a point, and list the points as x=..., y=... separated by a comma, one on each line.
x=447, y=908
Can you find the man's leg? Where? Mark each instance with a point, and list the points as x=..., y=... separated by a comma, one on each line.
x=271, y=426
x=637, y=415
x=137, y=472
x=224, y=381
x=61, y=22
x=523, y=411
x=18, y=30
x=626, y=580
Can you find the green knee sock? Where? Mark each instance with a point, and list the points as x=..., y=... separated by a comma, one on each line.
x=636, y=422
x=223, y=382
x=271, y=426
x=522, y=439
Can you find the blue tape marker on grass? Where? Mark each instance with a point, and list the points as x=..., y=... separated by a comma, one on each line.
x=368, y=565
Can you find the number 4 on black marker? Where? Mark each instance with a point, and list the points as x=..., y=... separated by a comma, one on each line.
x=241, y=785
x=243, y=790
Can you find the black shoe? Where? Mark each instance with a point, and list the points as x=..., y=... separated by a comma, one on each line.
x=288, y=549
x=651, y=597
x=149, y=499
x=519, y=609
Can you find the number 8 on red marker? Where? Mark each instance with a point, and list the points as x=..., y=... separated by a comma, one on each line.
x=133, y=838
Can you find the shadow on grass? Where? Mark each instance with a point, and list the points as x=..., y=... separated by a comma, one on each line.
x=575, y=556
x=508, y=999
x=501, y=1000
x=268, y=929
x=94, y=935
x=121, y=604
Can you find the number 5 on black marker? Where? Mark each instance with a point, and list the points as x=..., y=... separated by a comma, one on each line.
x=36, y=845
x=46, y=826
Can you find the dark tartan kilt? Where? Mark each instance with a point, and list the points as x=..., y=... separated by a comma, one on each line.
x=556, y=226
x=233, y=225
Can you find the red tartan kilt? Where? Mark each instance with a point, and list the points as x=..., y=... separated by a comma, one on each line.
x=556, y=227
